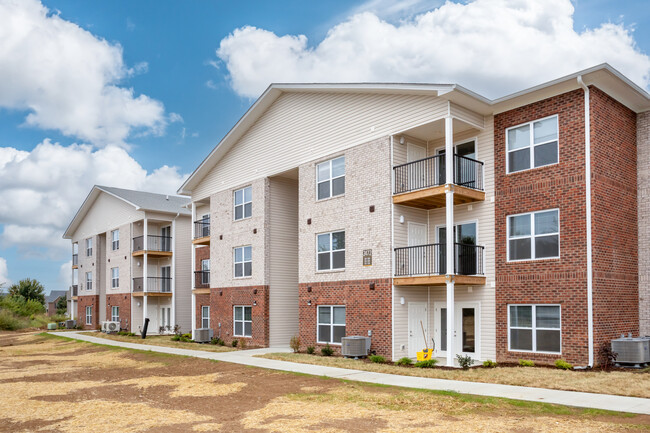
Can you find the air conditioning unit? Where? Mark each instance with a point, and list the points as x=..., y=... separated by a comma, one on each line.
x=632, y=350
x=203, y=335
x=70, y=324
x=355, y=346
x=109, y=326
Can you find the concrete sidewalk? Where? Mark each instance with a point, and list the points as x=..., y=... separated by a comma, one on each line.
x=247, y=357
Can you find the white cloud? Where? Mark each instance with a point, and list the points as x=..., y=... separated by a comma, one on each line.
x=67, y=79
x=4, y=274
x=491, y=46
x=45, y=187
x=65, y=274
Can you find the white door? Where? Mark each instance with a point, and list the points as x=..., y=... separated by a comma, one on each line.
x=417, y=234
x=466, y=329
x=417, y=320
x=416, y=172
x=417, y=257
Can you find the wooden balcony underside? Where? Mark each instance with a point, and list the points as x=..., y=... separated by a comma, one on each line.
x=205, y=291
x=152, y=253
x=205, y=240
x=151, y=294
x=434, y=197
x=439, y=280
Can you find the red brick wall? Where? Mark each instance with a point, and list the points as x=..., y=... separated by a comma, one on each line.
x=84, y=301
x=365, y=309
x=202, y=300
x=559, y=281
x=202, y=253
x=122, y=300
x=614, y=210
x=222, y=301
x=51, y=308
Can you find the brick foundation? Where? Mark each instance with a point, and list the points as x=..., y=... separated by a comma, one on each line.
x=83, y=302
x=222, y=301
x=122, y=300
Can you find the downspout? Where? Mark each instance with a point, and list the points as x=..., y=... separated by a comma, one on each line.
x=590, y=303
x=173, y=274
x=392, y=254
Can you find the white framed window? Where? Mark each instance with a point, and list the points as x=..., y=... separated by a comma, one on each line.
x=531, y=145
x=243, y=321
x=89, y=247
x=115, y=277
x=535, y=328
x=331, y=323
x=330, y=178
x=115, y=313
x=205, y=316
x=243, y=260
x=205, y=275
x=534, y=235
x=89, y=316
x=243, y=203
x=330, y=251
x=115, y=235
x=89, y=280
x=166, y=315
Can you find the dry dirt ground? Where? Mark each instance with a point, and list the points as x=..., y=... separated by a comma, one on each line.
x=49, y=384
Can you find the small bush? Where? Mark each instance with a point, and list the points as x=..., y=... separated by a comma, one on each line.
x=185, y=339
x=234, y=343
x=526, y=363
x=311, y=350
x=563, y=365
x=327, y=350
x=176, y=338
x=607, y=357
x=294, y=343
x=189, y=336
x=404, y=361
x=429, y=363
x=465, y=361
x=377, y=359
x=9, y=322
x=243, y=343
x=217, y=341
x=489, y=363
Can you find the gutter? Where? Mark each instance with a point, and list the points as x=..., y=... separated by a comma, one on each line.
x=590, y=300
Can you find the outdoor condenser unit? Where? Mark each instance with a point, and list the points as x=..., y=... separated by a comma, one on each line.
x=632, y=350
x=203, y=335
x=70, y=324
x=109, y=326
x=355, y=346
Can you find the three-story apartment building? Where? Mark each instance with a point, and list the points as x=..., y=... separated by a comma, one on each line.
x=131, y=260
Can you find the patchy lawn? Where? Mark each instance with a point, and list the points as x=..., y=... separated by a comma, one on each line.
x=162, y=340
x=51, y=384
x=633, y=383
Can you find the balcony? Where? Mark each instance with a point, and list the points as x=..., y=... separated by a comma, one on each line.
x=75, y=261
x=201, y=232
x=421, y=183
x=426, y=265
x=156, y=246
x=202, y=281
x=156, y=286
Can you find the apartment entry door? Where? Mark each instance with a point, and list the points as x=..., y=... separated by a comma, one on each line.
x=466, y=257
x=466, y=333
x=416, y=321
x=417, y=257
x=166, y=233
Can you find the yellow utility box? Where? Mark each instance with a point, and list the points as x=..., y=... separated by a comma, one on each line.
x=425, y=355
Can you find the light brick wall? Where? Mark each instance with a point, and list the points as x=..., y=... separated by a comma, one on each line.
x=88, y=264
x=120, y=258
x=643, y=191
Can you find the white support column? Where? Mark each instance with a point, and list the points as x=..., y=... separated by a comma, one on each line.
x=450, y=245
x=145, y=265
x=173, y=275
x=192, y=282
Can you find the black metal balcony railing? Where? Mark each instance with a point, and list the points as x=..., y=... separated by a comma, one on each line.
x=154, y=243
x=154, y=284
x=429, y=172
x=201, y=228
x=431, y=259
x=201, y=279
x=75, y=259
x=75, y=290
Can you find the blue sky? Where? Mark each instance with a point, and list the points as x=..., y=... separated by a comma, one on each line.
x=198, y=65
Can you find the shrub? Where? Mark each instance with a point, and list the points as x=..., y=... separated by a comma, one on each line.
x=563, y=365
x=404, y=361
x=607, y=357
x=311, y=350
x=188, y=336
x=20, y=306
x=327, y=350
x=9, y=322
x=489, y=364
x=176, y=338
x=526, y=363
x=378, y=359
x=429, y=363
x=217, y=340
x=294, y=343
x=186, y=339
x=233, y=343
x=465, y=361
x=243, y=343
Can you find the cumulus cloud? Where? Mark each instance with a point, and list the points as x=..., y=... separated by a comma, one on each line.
x=45, y=187
x=65, y=275
x=4, y=274
x=67, y=79
x=491, y=46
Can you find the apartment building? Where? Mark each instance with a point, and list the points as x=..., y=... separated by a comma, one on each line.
x=131, y=260
x=427, y=215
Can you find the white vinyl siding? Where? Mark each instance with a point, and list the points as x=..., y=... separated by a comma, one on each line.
x=535, y=328
x=243, y=321
x=243, y=261
x=330, y=178
x=115, y=278
x=331, y=323
x=115, y=237
x=115, y=313
x=330, y=251
x=205, y=317
x=532, y=145
x=534, y=235
x=243, y=202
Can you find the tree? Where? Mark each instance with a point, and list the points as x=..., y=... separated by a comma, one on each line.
x=28, y=289
x=62, y=305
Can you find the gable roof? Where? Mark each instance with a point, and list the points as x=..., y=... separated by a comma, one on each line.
x=602, y=76
x=140, y=200
x=54, y=295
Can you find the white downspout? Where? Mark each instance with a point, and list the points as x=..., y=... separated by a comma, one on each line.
x=590, y=302
x=192, y=276
x=392, y=253
x=173, y=274
x=450, y=246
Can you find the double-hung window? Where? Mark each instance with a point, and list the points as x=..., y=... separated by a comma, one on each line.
x=330, y=178
x=534, y=144
x=205, y=317
x=534, y=328
x=89, y=247
x=115, y=277
x=243, y=203
x=330, y=251
x=115, y=313
x=243, y=319
x=243, y=261
x=115, y=234
x=89, y=280
x=89, y=316
x=205, y=271
x=534, y=235
x=331, y=323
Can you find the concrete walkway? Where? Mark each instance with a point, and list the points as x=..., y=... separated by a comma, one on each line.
x=247, y=357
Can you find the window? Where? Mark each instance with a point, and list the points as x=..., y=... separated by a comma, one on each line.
x=89, y=247
x=331, y=323
x=534, y=235
x=243, y=321
x=205, y=316
x=115, y=313
x=115, y=234
x=205, y=275
x=534, y=328
x=330, y=250
x=89, y=280
x=115, y=277
x=243, y=203
x=330, y=178
x=166, y=314
x=89, y=316
x=243, y=261
x=534, y=144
